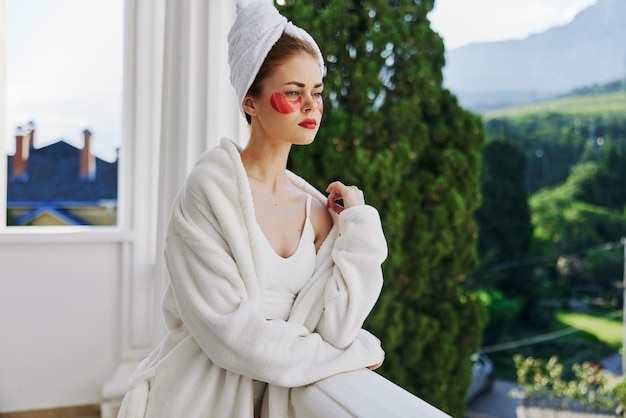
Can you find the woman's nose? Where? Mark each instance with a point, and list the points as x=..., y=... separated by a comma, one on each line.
x=308, y=103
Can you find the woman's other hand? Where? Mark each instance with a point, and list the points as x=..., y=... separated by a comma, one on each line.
x=375, y=366
x=342, y=197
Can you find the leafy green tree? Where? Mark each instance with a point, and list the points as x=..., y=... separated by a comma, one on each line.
x=391, y=128
x=552, y=142
x=595, y=272
x=555, y=142
x=503, y=314
x=565, y=224
x=504, y=224
x=606, y=188
x=580, y=231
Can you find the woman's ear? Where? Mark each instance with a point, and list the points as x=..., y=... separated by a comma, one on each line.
x=248, y=105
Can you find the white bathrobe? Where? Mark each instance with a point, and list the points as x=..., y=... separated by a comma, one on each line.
x=218, y=341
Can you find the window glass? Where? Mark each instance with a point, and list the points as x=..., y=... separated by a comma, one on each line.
x=63, y=121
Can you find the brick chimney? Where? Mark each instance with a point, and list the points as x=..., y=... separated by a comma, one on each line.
x=22, y=151
x=87, y=169
x=30, y=128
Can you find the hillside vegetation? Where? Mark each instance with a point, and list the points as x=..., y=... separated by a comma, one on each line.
x=554, y=170
x=557, y=134
x=594, y=104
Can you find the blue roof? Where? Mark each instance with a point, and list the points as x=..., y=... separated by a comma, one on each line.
x=53, y=178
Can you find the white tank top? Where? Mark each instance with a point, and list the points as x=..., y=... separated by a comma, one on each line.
x=284, y=277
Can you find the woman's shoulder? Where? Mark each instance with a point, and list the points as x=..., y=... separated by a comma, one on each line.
x=217, y=183
x=217, y=164
x=225, y=153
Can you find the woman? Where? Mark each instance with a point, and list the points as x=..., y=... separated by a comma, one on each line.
x=270, y=281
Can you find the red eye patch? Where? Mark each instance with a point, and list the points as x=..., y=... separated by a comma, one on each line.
x=283, y=105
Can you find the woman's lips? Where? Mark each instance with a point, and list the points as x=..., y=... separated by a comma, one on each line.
x=308, y=123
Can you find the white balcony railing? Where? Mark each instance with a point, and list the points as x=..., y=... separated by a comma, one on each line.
x=362, y=394
x=358, y=394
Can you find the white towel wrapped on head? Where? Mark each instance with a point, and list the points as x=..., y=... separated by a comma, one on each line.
x=256, y=29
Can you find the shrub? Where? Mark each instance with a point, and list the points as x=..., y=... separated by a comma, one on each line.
x=591, y=389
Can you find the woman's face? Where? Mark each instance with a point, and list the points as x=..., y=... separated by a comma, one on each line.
x=290, y=106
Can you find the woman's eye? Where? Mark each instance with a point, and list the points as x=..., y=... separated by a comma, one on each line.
x=291, y=93
x=318, y=95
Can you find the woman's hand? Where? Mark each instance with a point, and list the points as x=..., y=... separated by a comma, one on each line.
x=375, y=366
x=348, y=195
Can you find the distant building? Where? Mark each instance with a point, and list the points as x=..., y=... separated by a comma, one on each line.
x=59, y=184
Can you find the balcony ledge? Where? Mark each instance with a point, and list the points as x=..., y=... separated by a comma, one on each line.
x=361, y=393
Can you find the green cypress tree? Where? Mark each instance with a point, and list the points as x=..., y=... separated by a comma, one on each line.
x=504, y=216
x=504, y=222
x=390, y=128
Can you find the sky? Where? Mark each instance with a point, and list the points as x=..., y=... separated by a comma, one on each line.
x=64, y=63
x=460, y=22
x=64, y=71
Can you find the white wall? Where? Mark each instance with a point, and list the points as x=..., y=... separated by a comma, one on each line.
x=80, y=307
x=59, y=322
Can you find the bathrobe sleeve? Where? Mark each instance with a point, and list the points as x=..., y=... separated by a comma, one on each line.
x=348, y=276
x=215, y=290
x=356, y=277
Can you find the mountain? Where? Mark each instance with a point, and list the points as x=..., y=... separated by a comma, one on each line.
x=589, y=50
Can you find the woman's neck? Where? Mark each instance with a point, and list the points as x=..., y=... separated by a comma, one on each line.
x=266, y=162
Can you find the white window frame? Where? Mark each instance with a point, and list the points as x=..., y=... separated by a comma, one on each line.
x=139, y=191
x=3, y=110
x=137, y=176
x=117, y=232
